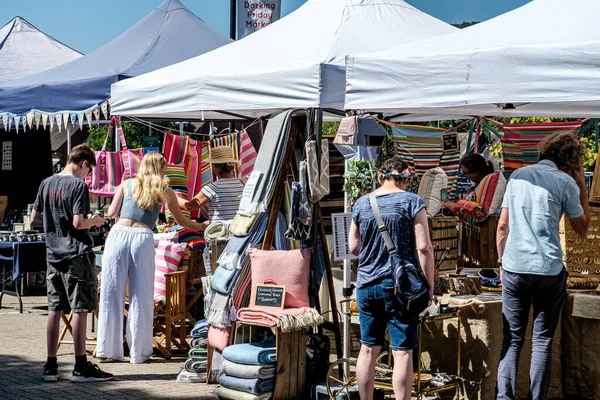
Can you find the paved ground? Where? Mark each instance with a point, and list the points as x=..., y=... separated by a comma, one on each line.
x=23, y=353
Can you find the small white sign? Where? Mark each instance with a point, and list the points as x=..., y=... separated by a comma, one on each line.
x=249, y=187
x=6, y=156
x=341, y=228
x=256, y=14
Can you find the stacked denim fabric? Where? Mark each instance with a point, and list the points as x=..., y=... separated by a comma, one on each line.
x=194, y=369
x=248, y=371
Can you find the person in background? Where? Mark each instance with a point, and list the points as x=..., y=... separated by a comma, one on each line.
x=61, y=205
x=406, y=220
x=222, y=196
x=531, y=259
x=474, y=167
x=129, y=257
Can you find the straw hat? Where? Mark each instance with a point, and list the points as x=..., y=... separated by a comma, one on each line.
x=222, y=155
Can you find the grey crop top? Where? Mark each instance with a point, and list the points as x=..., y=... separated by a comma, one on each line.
x=130, y=209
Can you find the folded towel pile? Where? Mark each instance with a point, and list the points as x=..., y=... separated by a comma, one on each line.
x=248, y=371
x=194, y=369
x=200, y=329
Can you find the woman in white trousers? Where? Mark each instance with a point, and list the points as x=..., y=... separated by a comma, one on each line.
x=129, y=260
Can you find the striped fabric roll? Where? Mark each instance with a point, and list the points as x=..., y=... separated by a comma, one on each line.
x=247, y=155
x=175, y=178
x=520, y=141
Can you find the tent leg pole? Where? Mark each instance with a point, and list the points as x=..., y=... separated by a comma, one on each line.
x=181, y=129
x=347, y=284
x=596, y=134
x=69, y=129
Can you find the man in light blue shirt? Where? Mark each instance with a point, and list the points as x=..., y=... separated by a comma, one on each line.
x=530, y=256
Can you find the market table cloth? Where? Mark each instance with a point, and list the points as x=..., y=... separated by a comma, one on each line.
x=481, y=332
x=25, y=256
x=581, y=345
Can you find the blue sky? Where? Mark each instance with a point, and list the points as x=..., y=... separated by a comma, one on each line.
x=86, y=24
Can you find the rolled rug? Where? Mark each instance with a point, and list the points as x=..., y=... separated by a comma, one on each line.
x=198, y=353
x=230, y=394
x=247, y=371
x=195, y=366
x=248, y=385
x=257, y=353
x=472, y=208
x=199, y=342
x=191, y=377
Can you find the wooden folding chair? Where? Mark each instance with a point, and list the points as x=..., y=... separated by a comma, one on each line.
x=90, y=341
x=170, y=316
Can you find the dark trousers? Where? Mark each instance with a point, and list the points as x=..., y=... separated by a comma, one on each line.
x=520, y=292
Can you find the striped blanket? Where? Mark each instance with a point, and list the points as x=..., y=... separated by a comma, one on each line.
x=520, y=141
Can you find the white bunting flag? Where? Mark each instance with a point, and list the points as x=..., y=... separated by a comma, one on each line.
x=65, y=118
x=73, y=119
x=44, y=119
x=24, y=121
x=37, y=117
x=5, y=122
x=80, y=117
x=51, y=118
x=88, y=116
x=30, y=119
x=10, y=120
x=104, y=108
x=17, y=123
x=97, y=115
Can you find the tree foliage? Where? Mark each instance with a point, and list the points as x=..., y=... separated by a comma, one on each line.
x=134, y=134
x=465, y=24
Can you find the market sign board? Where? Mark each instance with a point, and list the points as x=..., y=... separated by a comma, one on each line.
x=256, y=14
x=450, y=141
x=272, y=296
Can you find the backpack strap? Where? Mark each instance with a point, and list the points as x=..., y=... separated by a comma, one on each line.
x=381, y=225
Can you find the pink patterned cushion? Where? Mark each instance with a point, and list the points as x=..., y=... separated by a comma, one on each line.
x=167, y=259
x=282, y=267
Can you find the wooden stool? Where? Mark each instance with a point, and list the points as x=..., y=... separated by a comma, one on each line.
x=170, y=316
x=290, y=375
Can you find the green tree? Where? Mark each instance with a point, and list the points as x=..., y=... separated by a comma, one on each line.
x=134, y=133
x=465, y=24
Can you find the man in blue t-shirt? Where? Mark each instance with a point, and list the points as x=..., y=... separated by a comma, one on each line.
x=530, y=256
x=62, y=204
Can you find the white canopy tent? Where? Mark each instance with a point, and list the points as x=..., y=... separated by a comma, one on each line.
x=25, y=50
x=296, y=62
x=541, y=59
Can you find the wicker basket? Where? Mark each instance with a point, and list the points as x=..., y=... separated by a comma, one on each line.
x=196, y=269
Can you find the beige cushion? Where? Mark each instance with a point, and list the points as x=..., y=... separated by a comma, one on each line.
x=433, y=189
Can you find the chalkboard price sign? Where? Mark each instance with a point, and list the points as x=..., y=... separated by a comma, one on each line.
x=450, y=141
x=270, y=296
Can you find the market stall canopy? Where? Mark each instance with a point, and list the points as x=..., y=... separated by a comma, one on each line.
x=25, y=50
x=169, y=34
x=296, y=62
x=540, y=59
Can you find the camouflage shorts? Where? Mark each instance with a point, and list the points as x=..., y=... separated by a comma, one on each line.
x=72, y=284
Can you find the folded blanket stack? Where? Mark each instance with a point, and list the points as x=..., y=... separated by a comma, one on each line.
x=194, y=369
x=248, y=371
x=286, y=319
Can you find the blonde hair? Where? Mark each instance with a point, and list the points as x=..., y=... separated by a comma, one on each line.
x=148, y=192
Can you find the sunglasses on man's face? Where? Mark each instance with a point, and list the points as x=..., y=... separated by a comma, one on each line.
x=90, y=168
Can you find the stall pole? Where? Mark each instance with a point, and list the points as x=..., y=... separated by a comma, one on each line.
x=69, y=129
x=596, y=134
x=181, y=129
x=232, y=19
x=347, y=287
x=117, y=141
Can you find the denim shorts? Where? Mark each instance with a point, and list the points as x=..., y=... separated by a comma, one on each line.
x=378, y=307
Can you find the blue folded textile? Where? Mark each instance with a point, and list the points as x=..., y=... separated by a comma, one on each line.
x=253, y=386
x=258, y=353
x=224, y=279
x=200, y=329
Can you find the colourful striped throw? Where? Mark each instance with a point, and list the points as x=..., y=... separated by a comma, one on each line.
x=520, y=142
x=167, y=259
x=247, y=155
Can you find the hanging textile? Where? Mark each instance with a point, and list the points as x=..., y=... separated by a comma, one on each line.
x=247, y=155
x=449, y=162
x=520, y=141
x=318, y=169
x=227, y=140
